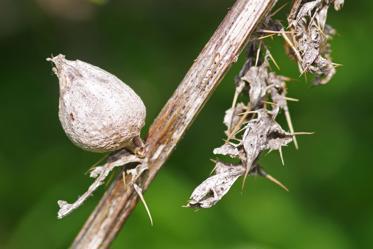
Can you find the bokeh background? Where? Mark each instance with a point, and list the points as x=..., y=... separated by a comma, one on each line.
x=150, y=45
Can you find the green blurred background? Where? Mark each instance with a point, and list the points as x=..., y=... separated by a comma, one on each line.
x=150, y=45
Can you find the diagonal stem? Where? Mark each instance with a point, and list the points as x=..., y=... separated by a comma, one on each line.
x=203, y=77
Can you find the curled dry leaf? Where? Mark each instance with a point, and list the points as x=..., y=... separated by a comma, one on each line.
x=214, y=188
x=232, y=116
x=227, y=150
x=277, y=91
x=210, y=191
x=100, y=173
x=257, y=77
x=262, y=133
x=310, y=36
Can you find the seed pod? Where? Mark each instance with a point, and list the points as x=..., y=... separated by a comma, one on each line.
x=98, y=112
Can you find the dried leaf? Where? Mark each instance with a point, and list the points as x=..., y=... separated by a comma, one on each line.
x=212, y=190
x=232, y=116
x=256, y=77
x=277, y=90
x=227, y=150
x=262, y=133
x=100, y=173
x=277, y=137
x=310, y=36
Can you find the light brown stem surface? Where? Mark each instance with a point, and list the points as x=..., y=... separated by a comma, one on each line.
x=176, y=116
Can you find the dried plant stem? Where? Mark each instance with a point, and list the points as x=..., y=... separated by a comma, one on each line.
x=177, y=115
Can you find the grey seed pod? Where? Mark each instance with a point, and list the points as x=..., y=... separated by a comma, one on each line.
x=98, y=112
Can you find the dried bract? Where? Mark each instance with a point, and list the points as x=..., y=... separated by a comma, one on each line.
x=98, y=112
x=262, y=133
x=210, y=191
x=232, y=116
x=100, y=173
x=310, y=36
x=256, y=77
x=267, y=97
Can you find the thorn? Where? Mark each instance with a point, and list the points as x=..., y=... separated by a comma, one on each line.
x=277, y=182
x=296, y=52
x=301, y=133
x=234, y=102
x=124, y=178
x=265, y=36
x=291, y=99
x=268, y=31
x=244, y=178
x=305, y=75
x=97, y=163
x=235, y=139
x=108, y=181
x=268, y=102
x=240, y=122
x=213, y=170
x=273, y=60
x=337, y=64
x=258, y=53
x=291, y=128
x=281, y=156
x=278, y=10
x=243, y=128
x=139, y=192
x=247, y=112
x=269, y=151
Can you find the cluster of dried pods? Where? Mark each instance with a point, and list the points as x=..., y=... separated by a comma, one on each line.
x=252, y=125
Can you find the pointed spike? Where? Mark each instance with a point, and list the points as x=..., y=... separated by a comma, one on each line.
x=268, y=102
x=273, y=60
x=302, y=133
x=278, y=10
x=265, y=36
x=247, y=112
x=243, y=128
x=269, y=31
x=124, y=178
x=238, y=125
x=258, y=53
x=269, y=151
x=247, y=170
x=234, y=102
x=277, y=182
x=139, y=193
x=296, y=52
x=291, y=128
x=213, y=170
x=291, y=99
x=337, y=64
x=97, y=163
x=281, y=156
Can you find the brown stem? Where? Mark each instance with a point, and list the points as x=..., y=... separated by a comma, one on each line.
x=176, y=116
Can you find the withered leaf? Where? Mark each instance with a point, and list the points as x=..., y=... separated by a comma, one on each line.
x=227, y=150
x=310, y=36
x=212, y=190
x=262, y=133
x=257, y=76
x=232, y=116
